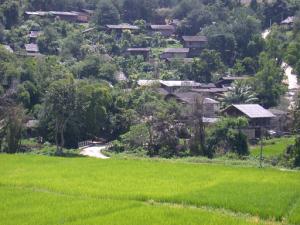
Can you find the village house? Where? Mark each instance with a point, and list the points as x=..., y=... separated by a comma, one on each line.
x=281, y=121
x=164, y=30
x=179, y=60
x=145, y=52
x=288, y=22
x=195, y=44
x=227, y=81
x=33, y=35
x=119, y=28
x=32, y=50
x=211, y=107
x=259, y=118
x=71, y=16
x=174, y=53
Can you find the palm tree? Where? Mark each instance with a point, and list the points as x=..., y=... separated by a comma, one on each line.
x=239, y=93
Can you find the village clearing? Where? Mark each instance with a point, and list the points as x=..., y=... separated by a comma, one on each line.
x=49, y=190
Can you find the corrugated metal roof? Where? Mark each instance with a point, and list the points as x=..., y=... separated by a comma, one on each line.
x=162, y=27
x=176, y=50
x=123, y=26
x=138, y=49
x=31, y=47
x=179, y=83
x=194, y=38
x=254, y=111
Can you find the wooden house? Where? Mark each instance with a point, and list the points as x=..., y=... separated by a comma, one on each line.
x=145, y=52
x=288, y=22
x=164, y=30
x=259, y=117
x=195, y=44
x=119, y=28
x=174, y=53
x=227, y=81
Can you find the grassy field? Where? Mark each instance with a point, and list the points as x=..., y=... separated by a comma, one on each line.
x=48, y=190
x=273, y=147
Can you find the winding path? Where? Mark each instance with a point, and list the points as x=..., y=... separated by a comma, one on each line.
x=94, y=151
x=291, y=79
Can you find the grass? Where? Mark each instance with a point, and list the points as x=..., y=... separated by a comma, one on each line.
x=49, y=190
x=273, y=147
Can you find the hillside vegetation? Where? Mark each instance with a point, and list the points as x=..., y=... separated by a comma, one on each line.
x=43, y=190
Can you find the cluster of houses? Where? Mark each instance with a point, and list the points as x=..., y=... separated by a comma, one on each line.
x=185, y=93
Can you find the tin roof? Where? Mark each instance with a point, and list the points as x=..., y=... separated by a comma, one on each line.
x=253, y=111
x=194, y=38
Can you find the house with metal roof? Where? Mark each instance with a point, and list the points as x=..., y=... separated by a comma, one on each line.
x=122, y=26
x=226, y=81
x=145, y=52
x=164, y=30
x=259, y=117
x=174, y=53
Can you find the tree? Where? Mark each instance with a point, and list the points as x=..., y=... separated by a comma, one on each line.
x=47, y=42
x=59, y=105
x=14, y=127
x=11, y=13
x=268, y=81
x=239, y=93
x=197, y=142
x=227, y=136
x=106, y=13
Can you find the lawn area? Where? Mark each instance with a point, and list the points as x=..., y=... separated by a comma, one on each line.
x=273, y=147
x=48, y=190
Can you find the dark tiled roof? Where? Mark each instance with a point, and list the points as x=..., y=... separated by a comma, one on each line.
x=194, y=38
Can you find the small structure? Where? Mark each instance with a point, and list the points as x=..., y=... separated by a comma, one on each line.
x=172, y=85
x=211, y=107
x=148, y=83
x=164, y=30
x=33, y=35
x=288, y=22
x=281, y=122
x=227, y=81
x=258, y=117
x=145, y=52
x=71, y=16
x=174, y=53
x=179, y=60
x=195, y=44
x=32, y=50
x=31, y=127
x=122, y=27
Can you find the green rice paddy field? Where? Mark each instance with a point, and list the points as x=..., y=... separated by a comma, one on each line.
x=48, y=190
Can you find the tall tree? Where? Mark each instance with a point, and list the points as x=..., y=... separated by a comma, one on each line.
x=60, y=102
x=106, y=13
x=268, y=81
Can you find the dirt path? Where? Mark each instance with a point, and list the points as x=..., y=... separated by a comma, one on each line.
x=94, y=151
x=290, y=79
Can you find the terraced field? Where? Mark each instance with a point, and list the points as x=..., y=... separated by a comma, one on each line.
x=47, y=190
